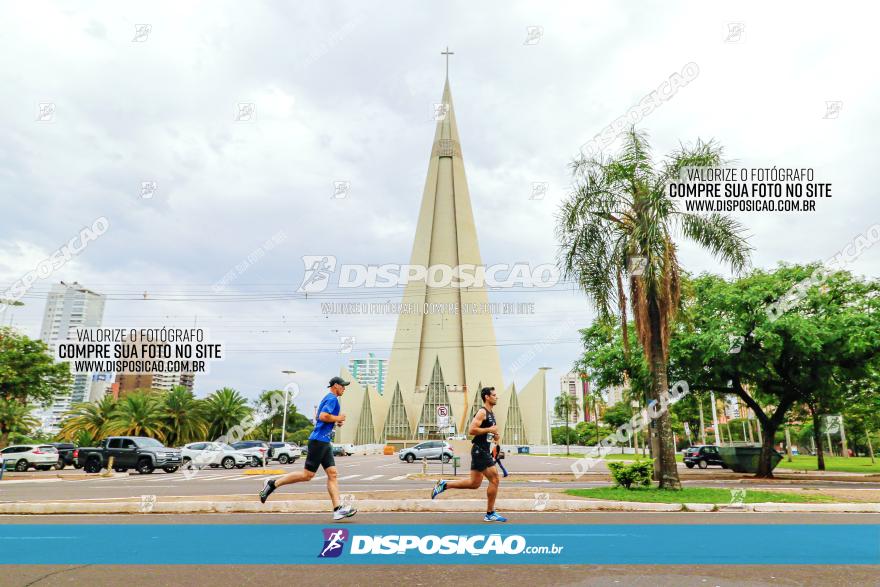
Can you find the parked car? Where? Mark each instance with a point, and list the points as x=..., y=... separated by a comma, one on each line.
x=65, y=454
x=25, y=456
x=432, y=449
x=702, y=456
x=257, y=450
x=343, y=450
x=283, y=452
x=129, y=452
x=213, y=454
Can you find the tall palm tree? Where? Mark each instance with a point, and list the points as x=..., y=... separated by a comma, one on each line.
x=91, y=418
x=183, y=417
x=138, y=414
x=224, y=409
x=619, y=217
x=565, y=408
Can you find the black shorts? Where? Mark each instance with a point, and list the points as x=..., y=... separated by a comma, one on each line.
x=320, y=454
x=480, y=459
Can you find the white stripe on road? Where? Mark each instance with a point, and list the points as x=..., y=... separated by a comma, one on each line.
x=399, y=477
x=371, y=477
x=348, y=477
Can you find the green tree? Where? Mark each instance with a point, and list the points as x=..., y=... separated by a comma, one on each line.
x=224, y=409
x=138, y=413
x=28, y=376
x=91, y=419
x=620, y=218
x=183, y=417
x=828, y=338
x=565, y=408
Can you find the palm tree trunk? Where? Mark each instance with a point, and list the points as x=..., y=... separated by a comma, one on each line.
x=665, y=454
x=870, y=447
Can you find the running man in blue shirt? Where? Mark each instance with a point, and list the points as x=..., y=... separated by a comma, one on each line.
x=320, y=451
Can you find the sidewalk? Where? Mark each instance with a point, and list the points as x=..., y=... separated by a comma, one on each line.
x=165, y=505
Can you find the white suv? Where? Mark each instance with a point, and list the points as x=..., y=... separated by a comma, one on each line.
x=25, y=456
x=212, y=454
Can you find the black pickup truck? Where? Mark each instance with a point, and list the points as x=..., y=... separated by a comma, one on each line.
x=142, y=454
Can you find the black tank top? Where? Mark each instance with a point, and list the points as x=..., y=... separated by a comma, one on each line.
x=482, y=440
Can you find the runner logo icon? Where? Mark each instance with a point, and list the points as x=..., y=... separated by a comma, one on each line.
x=334, y=541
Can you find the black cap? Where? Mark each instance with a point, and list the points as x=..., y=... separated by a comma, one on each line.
x=338, y=380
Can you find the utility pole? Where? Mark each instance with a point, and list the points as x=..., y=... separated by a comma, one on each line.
x=286, y=392
x=843, y=448
x=714, y=417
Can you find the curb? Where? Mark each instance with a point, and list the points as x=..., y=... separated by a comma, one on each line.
x=414, y=505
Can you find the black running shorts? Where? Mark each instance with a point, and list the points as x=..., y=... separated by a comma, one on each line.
x=320, y=454
x=480, y=459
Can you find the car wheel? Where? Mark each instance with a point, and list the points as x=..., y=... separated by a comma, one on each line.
x=170, y=469
x=255, y=462
x=144, y=467
x=59, y=465
x=702, y=464
x=689, y=465
x=22, y=466
x=120, y=469
x=283, y=459
x=444, y=458
x=410, y=458
x=228, y=463
x=93, y=466
x=77, y=466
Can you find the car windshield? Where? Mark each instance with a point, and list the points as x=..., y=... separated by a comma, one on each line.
x=225, y=447
x=48, y=448
x=149, y=442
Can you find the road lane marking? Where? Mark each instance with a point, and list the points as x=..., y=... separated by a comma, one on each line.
x=399, y=477
x=349, y=477
x=371, y=477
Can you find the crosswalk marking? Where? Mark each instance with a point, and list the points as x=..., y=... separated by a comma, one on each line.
x=348, y=477
x=399, y=477
x=371, y=477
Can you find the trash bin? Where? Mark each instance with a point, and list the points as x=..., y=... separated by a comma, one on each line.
x=522, y=450
x=744, y=459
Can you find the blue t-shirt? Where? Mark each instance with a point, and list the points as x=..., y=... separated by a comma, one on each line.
x=322, y=431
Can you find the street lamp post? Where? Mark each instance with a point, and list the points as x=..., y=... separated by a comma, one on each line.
x=286, y=393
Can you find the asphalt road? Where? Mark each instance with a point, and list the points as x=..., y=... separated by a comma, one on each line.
x=532, y=576
x=356, y=473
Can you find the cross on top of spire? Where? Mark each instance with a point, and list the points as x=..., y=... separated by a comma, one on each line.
x=447, y=53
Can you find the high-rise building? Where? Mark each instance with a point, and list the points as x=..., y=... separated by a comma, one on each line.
x=577, y=385
x=370, y=371
x=68, y=306
x=440, y=360
x=129, y=382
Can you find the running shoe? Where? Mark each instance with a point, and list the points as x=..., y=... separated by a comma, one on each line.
x=344, y=512
x=267, y=490
x=439, y=488
x=494, y=517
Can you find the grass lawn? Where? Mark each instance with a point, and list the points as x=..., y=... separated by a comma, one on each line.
x=842, y=464
x=695, y=495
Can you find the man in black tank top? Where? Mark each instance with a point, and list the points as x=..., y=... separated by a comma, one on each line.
x=483, y=428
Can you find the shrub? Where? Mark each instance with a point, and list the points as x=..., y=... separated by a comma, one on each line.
x=637, y=473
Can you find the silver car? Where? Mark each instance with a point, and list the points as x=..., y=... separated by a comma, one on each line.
x=431, y=449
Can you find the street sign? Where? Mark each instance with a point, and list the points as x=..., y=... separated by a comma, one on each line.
x=442, y=411
x=442, y=422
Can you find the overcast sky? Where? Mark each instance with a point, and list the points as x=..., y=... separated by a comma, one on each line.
x=344, y=92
